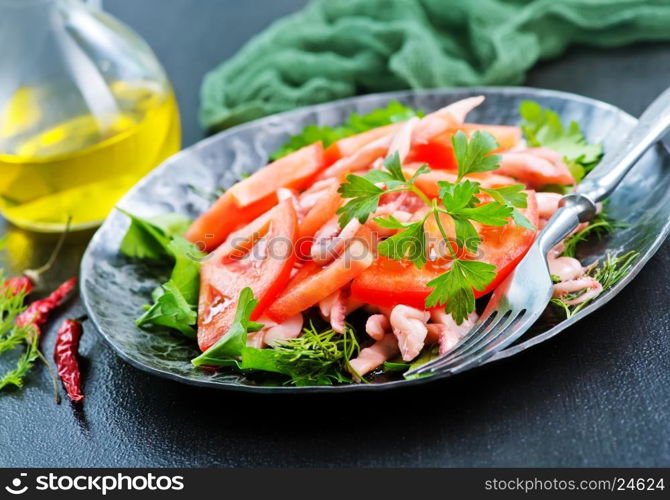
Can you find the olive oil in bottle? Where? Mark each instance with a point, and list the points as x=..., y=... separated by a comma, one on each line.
x=78, y=168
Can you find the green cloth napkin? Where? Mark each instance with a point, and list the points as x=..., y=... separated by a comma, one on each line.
x=339, y=48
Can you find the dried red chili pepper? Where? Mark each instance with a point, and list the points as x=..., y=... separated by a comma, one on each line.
x=37, y=313
x=19, y=284
x=65, y=355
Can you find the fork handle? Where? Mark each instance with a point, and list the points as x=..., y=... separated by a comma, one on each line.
x=652, y=125
x=580, y=206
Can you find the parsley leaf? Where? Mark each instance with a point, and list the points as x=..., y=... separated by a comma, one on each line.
x=355, y=124
x=460, y=201
x=513, y=195
x=543, y=127
x=364, y=199
x=410, y=243
x=363, y=193
x=475, y=155
x=234, y=341
x=454, y=289
x=490, y=214
x=456, y=197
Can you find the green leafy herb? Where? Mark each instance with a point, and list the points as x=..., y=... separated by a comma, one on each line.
x=149, y=238
x=460, y=201
x=609, y=272
x=363, y=192
x=25, y=363
x=364, y=199
x=317, y=358
x=454, y=289
x=175, y=302
x=393, y=113
x=410, y=243
x=543, y=127
x=428, y=354
x=172, y=310
x=475, y=155
x=234, y=341
x=12, y=337
x=392, y=366
x=601, y=225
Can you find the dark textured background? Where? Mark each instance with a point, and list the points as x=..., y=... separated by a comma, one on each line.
x=597, y=395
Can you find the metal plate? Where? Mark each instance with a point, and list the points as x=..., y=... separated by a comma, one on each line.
x=115, y=288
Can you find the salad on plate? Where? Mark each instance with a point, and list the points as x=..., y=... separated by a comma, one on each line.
x=365, y=249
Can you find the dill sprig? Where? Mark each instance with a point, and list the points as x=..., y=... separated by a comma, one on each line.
x=608, y=272
x=317, y=358
x=23, y=366
x=13, y=337
x=601, y=225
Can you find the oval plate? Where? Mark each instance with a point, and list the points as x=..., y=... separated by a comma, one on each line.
x=115, y=288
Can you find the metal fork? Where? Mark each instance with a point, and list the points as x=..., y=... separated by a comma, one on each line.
x=522, y=297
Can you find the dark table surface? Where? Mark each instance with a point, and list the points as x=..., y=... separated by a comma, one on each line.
x=597, y=395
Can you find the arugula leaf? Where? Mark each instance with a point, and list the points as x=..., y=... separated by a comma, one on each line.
x=454, y=289
x=410, y=243
x=543, y=127
x=148, y=238
x=428, y=354
x=186, y=272
x=172, y=310
x=475, y=155
x=234, y=341
x=392, y=366
x=355, y=124
x=176, y=301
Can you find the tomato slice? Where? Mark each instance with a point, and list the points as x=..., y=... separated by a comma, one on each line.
x=388, y=282
x=314, y=284
x=259, y=256
x=349, y=145
x=428, y=182
x=507, y=136
x=322, y=211
x=439, y=153
x=294, y=170
x=210, y=229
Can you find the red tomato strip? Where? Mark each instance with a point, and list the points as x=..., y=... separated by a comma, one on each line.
x=313, y=288
x=265, y=268
x=294, y=170
x=212, y=228
x=349, y=145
